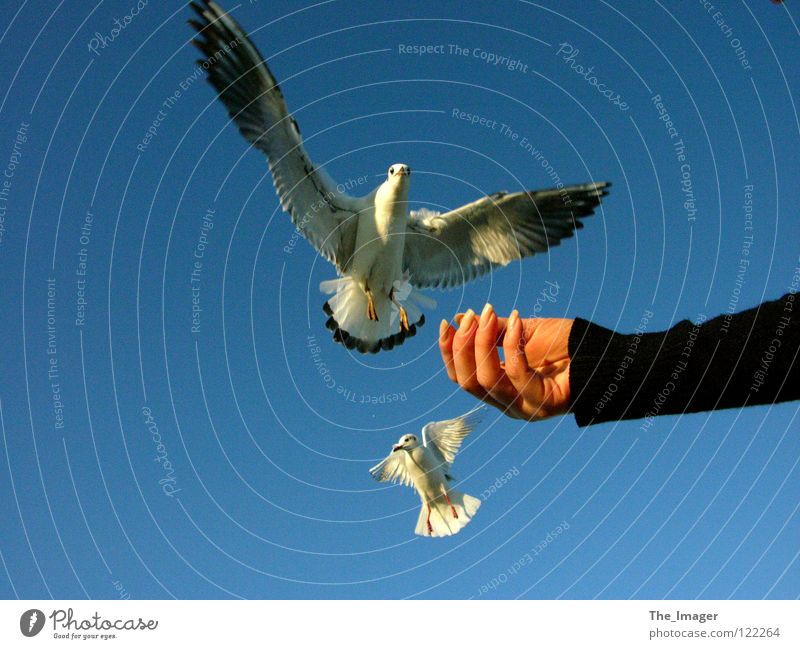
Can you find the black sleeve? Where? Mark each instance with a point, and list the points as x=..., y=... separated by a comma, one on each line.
x=733, y=360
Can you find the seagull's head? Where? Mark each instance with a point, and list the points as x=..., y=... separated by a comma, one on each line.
x=398, y=174
x=406, y=443
x=392, y=195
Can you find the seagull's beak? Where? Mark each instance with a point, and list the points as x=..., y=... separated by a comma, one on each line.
x=397, y=447
x=401, y=172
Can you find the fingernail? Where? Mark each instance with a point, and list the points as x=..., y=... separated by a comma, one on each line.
x=485, y=314
x=442, y=328
x=467, y=321
x=513, y=319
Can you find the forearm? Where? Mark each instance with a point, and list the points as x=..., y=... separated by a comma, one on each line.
x=733, y=360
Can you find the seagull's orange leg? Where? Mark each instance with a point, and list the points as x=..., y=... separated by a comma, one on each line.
x=372, y=313
x=404, y=326
x=452, y=509
x=404, y=320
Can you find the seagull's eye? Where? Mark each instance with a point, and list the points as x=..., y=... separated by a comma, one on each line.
x=391, y=171
x=408, y=170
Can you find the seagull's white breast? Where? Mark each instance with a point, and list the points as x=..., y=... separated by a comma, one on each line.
x=426, y=472
x=380, y=241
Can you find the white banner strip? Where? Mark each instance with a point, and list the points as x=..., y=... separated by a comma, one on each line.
x=391, y=624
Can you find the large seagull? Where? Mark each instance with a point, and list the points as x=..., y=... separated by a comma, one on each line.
x=383, y=253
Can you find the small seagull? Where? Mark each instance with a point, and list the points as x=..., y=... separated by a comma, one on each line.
x=426, y=466
x=382, y=251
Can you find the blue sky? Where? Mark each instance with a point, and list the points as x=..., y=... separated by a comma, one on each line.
x=267, y=428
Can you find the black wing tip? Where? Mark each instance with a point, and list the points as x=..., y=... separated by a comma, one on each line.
x=590, y=194
x=210, y=24
x=201, y=11
x=222, y=38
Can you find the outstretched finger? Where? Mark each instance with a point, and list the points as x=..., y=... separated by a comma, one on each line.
x=464, y=355
x=490, y=374
x=516, y=364
x=446, y=334
x=446, y=338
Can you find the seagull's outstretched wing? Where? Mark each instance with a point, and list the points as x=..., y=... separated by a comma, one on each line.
x=444, y=437
x=452, y=248
x=324, y=215
x=393, y=469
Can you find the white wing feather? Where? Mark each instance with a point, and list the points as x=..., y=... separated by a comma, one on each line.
x=393, y=469
x=324, y=215
x=444, y=438
x=456, y=247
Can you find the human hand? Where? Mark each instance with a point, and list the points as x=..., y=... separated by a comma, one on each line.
x=532, y=383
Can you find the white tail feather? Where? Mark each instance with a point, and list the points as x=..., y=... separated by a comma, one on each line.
x=348, y=315
x=443, y=523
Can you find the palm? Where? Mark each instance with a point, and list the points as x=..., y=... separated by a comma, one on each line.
x=533, y=381
x=546, y=352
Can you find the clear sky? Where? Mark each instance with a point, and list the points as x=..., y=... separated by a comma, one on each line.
x=155, y=451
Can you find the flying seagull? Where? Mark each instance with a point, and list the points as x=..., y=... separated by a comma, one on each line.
x=426, y=466
x=382, y=252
